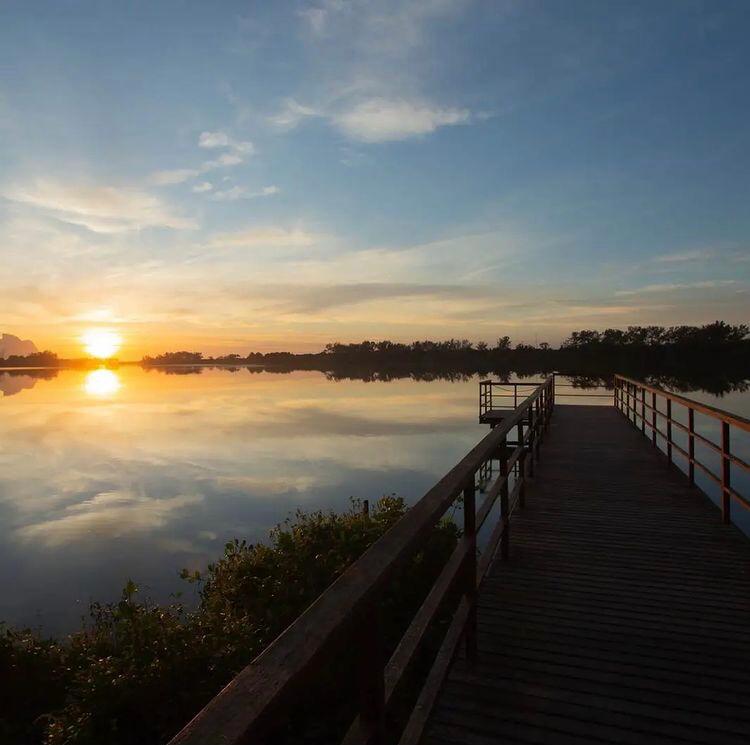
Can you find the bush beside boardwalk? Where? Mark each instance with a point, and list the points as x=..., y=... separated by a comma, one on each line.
x=138, y=671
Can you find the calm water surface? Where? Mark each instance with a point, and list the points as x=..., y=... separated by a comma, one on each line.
x=110, y=475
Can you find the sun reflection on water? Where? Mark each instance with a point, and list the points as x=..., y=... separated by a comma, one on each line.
x=102, y=383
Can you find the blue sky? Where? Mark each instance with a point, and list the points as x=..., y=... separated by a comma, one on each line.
x=279, y=175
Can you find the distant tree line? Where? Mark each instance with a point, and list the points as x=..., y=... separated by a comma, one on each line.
x=37, y=359
x=716, y=335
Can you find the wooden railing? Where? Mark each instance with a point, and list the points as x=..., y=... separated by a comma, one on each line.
x=630, y=397
x=260, y=696
x=496, y=395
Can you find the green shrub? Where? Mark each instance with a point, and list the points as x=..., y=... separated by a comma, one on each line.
x=138, y=670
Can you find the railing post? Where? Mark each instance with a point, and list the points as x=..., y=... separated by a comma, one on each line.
x=505, y=538
x=539, y=422
x=521, y=468
x=615, y=402
x=370, y=673
x=643, y=411
x=725, y=474
x=653, y=418
x=515, y=396
x=530, y=433
x=691, y=446
x=552, y=390
x=470, y=533
x=669, y=429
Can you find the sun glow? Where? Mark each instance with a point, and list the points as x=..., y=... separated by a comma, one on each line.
x=101, y=343
x=102, y=383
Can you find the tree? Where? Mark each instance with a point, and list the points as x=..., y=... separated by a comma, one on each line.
x=503, y=343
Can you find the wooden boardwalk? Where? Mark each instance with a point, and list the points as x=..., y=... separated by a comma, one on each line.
x=623, y=613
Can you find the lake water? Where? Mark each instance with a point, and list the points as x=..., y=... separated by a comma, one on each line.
x=109, y=475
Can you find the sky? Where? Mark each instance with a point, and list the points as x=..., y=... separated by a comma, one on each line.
x=254, y=176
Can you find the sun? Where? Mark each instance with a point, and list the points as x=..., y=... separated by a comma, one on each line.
x=101, y=343
x=102, y=383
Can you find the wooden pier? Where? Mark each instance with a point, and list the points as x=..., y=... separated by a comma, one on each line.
x=622, y=614
x=610, y=602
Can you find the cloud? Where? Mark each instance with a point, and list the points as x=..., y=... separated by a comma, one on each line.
x=111, y=514
x=101, y=209
x=222, y=139
x=291, y=114
x=238, y=152
x=204, y=186
x=324, y=297
x=382, y=120
x=241, y=192
x=684, y=256
x=213, y=139
x=315, y=18
x=263, y=237
x=177, y=176
x=675, y=286
x=227, y=159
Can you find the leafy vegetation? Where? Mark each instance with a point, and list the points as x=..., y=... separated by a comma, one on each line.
x=138, y=670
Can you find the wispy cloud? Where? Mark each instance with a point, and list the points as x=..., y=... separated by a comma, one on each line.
x=382, y=120
x=675, y=286
x=326, y=297
x=203, y=187
x=379, y=96
x=265, y=237
x=242, y=192
x=101, y=209
x=176, y=176
x=236, y=152
x=685, y=256
x=112, y=514
x=212, y=140
x=292, y=113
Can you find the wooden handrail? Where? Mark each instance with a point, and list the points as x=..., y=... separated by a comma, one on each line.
x=725, y=416
x=259, y=696
x=630, y=399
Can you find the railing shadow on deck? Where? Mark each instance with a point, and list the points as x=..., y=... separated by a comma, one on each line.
x=261, y=695
x=630, y=398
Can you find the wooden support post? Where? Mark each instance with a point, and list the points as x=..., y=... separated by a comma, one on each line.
x=470, y=572
x=726, y=497
x=615, y=402
x=370, y=673
x=538, y=428
x=669, y=429
x=504, y=509
x=691, y=445
x=653, y=419
x=515, y=395
x=530, y=433
x=643, y=410
x=521, y=468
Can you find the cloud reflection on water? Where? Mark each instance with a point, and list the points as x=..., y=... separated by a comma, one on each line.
x=173, y=466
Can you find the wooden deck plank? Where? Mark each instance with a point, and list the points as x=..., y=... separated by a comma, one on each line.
x=623, y=613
